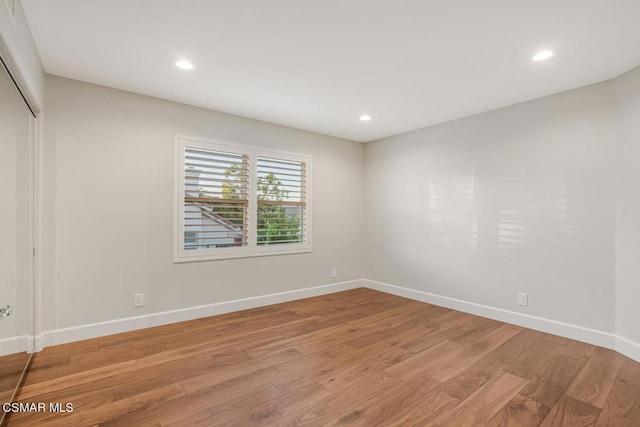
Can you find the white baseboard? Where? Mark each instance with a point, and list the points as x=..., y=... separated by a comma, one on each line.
x=61, y=336
x=567, y=330
x=94, y=330
x=14, y=345
x=628, y=348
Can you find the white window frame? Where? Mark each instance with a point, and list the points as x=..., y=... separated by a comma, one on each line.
x=252, y=249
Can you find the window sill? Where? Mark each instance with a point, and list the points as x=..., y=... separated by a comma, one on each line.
x=179, y=259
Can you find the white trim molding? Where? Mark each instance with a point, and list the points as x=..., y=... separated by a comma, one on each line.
x=592, y=336
x=110, y=327
x=13, y=345
x=628, y=348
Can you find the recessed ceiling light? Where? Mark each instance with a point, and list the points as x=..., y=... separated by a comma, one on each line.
x=185, y=65
x=542, y=55
x=365, y=117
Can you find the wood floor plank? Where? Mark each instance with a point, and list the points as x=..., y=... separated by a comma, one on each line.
x=550, y=384
x=536, y=357
x=175, y=371
x=520, y=343
x=474, y=351
x=343, y=357
x=358, y=357
x=423, y=411
x=482, y=405
x=30, y=390
x=372, y=412
x=570, y=412
x=435, y=358
x=400, y=347
x=483, y=327
x=393, y=326
x=341, y=332
x=12, y=367
x=341, y=401
x=449, y=358
x=225, y=412
x=475, y=376
x=520, y=412
x=275, y=409
x=275, y=367
x=621, y=409
x=382, y=354
x=594, y=382
x=207, y=396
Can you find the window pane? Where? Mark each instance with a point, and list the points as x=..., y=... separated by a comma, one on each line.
x=281, y=207
x=215, y=199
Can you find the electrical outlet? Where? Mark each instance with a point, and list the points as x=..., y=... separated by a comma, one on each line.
x=138, y=300
x=334, y=273
x=523, y=299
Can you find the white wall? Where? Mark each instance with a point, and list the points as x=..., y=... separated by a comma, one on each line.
x=19, y=52
x=520, y=199
x=108, y=174
x=628, y=206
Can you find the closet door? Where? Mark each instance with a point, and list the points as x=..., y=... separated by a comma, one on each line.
x=16, y=181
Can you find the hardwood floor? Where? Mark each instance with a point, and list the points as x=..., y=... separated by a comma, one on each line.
x=358, y=357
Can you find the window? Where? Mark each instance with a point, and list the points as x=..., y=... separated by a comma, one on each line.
x=281, y=195
x=238, y=201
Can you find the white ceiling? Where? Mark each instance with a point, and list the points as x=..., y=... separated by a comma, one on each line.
x=320, y=65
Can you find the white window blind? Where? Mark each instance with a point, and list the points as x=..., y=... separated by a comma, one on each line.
x=216, y=199
x=281, y=207
x=238, y=201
